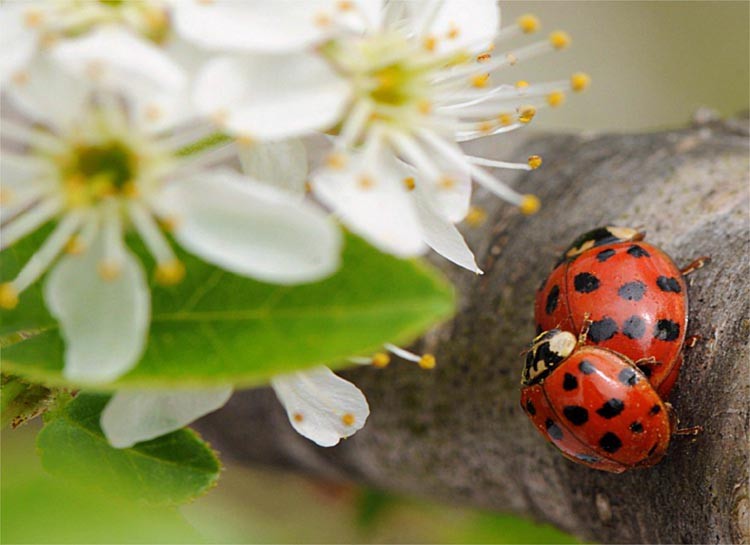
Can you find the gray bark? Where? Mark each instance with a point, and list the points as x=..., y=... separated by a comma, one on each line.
x=457, y=433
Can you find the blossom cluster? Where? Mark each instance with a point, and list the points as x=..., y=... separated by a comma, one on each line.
x=116, y=108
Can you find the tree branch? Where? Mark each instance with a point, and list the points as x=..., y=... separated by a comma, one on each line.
x=457, y=433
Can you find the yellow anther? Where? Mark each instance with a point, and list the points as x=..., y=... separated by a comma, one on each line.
x=521, y=84
x=8, y=296
x=130, y=190
x=530, y=204
x=409, y=183
x=453, y=32
x=297, y=417
x=336, y=161
x=485, y=126
x=75, y=246
x=526, y=114
x=534, y=161
x=153, y=112
x=94, y=70
x=345, y=5
x=322, y=20
x=75, y=192
x=559, y=39
x=308, y=187
x=505, y=119
x=427, y=361
x=381, y=359
x=555, y=98
x=446, y=182
x=170, y=272
x=6, y=195
x=424, y=107
x=347, y=419
x=476, y=216
x=480, y=80
x=108, y=270
x=429, y=43
x=48, y=39
x=511, y=59
x=219, y=117
x=580, y=81
x=169, y=223
x=365, y=182
x=483, y=57
x=20, y=78
x=528, y=23
x=245, y=140
x=33, y=18
x=155, y=18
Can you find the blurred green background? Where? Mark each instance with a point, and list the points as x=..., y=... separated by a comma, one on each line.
x=652, y=64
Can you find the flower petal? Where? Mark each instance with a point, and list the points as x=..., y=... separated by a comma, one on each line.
x=321, y=406
x=456, y=24
x=373, y=203
x=132, y=416
x=252, y=229
x=272, y=97
x=18, y=42
x=283, y=163
x=117, y=58
x=263, y=26
x=48, y=94
x=443, y=237
x=104, y=322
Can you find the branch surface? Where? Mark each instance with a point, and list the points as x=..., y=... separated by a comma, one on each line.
x=458, y=434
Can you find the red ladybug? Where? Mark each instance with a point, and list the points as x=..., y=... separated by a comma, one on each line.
x=593, y=404
x=635, y=294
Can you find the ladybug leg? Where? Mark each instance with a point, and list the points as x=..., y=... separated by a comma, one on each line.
x=692, y=340
x=695, y=265
x=675, y=422
x=584, y=328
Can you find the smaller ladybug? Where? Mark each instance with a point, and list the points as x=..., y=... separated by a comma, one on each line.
x=594, y=404
x=635, y=294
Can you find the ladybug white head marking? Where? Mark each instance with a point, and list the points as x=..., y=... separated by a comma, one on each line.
x=601, y=236
x=547, y=351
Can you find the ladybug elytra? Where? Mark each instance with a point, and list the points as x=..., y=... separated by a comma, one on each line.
x=594, y=404
x=634, y=293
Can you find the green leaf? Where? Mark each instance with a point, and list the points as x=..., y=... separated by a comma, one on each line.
x=171, y=469
x=217, y=328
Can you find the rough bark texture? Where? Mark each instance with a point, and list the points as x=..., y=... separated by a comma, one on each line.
x=458, y=434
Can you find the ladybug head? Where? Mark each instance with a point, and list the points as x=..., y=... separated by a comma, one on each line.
x=601, y=236
x=547, y=351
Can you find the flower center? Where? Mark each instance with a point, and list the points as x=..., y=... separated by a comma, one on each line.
x=111, y=163
x=395, y=85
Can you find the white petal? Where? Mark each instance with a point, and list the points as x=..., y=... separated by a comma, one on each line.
x=272, y=97
x=321, y=406
x=49, y=94
x=132, y=416
x=451, y=197
x=476, y=22
x=283, y=164
x=104, y=322
x=117, y=58
x=252, y=229
x=17, y=41
x=382, y=212
x=263, y=26
x=443, y=237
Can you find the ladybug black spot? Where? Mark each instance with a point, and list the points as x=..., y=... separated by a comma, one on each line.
x=576, y=415
x=638, y=251
x=636, y=427
x=611, y=408
x=634, y=327
x=587, y=458
x=552, y=299
x=654, y=410
x=602, y=330
x=628, y=377
x=667, y=283
x=604, y=255
x=539, y=329
x=666, y=330
x=632, y=291
x=586, y=367
x=530, y=407
x=585, y=282
x=610, y=442
x=553, y=429
x=570, y=382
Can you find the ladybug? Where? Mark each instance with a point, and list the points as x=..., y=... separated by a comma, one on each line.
x=635, y=294
x=594, y=404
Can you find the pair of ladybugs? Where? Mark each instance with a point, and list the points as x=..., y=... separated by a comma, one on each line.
x=611, y=321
